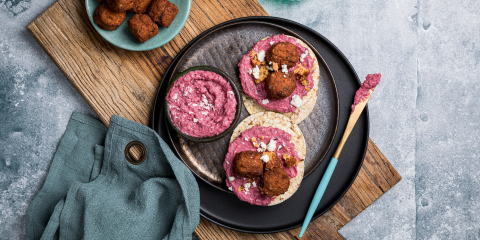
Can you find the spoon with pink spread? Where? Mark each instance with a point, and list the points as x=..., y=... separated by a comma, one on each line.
x=360, y=101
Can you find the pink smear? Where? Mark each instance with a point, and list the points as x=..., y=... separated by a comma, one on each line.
x=370, y=82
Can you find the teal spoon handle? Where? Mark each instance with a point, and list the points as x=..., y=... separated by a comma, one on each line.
x=318, y=194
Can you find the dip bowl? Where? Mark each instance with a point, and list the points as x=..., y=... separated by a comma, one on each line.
x=238, y=108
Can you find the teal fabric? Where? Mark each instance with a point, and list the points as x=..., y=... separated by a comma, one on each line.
x=93, y=192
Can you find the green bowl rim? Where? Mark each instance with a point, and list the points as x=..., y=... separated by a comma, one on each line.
x=238, y=107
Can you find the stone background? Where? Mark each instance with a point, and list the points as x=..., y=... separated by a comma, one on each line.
x=424, y=115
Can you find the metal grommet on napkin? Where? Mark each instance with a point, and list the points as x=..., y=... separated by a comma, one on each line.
x=143, y=153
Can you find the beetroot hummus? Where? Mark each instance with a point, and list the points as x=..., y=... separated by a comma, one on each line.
x=201, y=103
x=370, y=82
x=274, y=139
x=258, y=92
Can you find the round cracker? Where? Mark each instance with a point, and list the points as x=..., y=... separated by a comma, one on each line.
x=309, y=100
x=277, y=120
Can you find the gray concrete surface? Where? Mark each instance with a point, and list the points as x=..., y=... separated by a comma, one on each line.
x=424, y=114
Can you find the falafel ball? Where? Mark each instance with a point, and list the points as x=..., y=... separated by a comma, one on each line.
x=248, y=164
x=283, y=53
x=280, y=85
x=168, y=15
x=275, y=182
x=107, y=19
x=120, y=5
x=156, y=9
x=140, y=6
x=142, y=27
x=273, y=160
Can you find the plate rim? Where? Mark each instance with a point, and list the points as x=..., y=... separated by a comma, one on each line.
x=127, y=47
x=156, y=122
x=319, y=58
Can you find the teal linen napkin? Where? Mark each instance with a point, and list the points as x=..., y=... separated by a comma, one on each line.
x=93, y=192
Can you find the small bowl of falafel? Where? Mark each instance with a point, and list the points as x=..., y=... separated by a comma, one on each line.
x=203, y=104
x=138, y=25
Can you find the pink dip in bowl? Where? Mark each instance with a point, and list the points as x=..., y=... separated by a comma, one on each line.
x=243, y=143
x=257, y=91
x=201, y=103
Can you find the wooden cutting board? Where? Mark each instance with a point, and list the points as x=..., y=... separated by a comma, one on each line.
x=116, y=81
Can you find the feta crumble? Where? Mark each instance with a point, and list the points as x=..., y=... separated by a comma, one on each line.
x=262, y=147
x=265, y=101
x=284, y=69
x=254, y=184
x=272, y=145
x=265, y=158
x=195, y=120
x=230, y=93
x=250, y=71
x=256, y=72
x=280, y=146
x=303, y=55
x=231, y=178
x=261, y=56
x=246, y=139
x=230, y=188
x=272, y=42
x=296, y=101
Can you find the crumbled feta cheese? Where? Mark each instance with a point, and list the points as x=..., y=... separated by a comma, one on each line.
x=256, y=72
x=246, y=186
x=303, y=55
x=261, y=56
x=280, y=146
x=265, y=101
x=231, y=178
x=296, y=101
x=194, y=104
x=284, y=76
x=230, y=188
x=250, y=71
x=272, y=42
x=265, y=158
x=195, y=120
x=246, y=139
x=270, y=68
x=272, y=145
x=270, y=63
x=228, y=162
x=230, y=93
x=254, y=184
x=284, y=69
x=262, y=147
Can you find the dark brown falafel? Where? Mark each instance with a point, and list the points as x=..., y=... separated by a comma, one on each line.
x=248, y=164
x=107, y=19
x=168, y=15
x=283, y=53
x=273, y=160
x=120, y=5
x=142, y=27
x=275, y=182
x=140, y=6
x=280, y=85
x=156, y=9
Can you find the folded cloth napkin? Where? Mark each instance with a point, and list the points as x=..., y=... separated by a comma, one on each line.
x=93, y=192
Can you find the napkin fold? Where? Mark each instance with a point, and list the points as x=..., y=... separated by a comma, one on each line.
x=93, y=192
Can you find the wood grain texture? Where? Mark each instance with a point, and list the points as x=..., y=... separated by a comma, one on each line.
x=116, y=81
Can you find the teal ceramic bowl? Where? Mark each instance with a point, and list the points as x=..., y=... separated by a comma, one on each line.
x=122, y=38
x=238, y=109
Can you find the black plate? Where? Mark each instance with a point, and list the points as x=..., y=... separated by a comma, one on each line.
x=226, y=210
x=224, y=48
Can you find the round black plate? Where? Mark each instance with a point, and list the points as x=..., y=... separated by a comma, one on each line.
x=226, y=210
x=224, y=48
